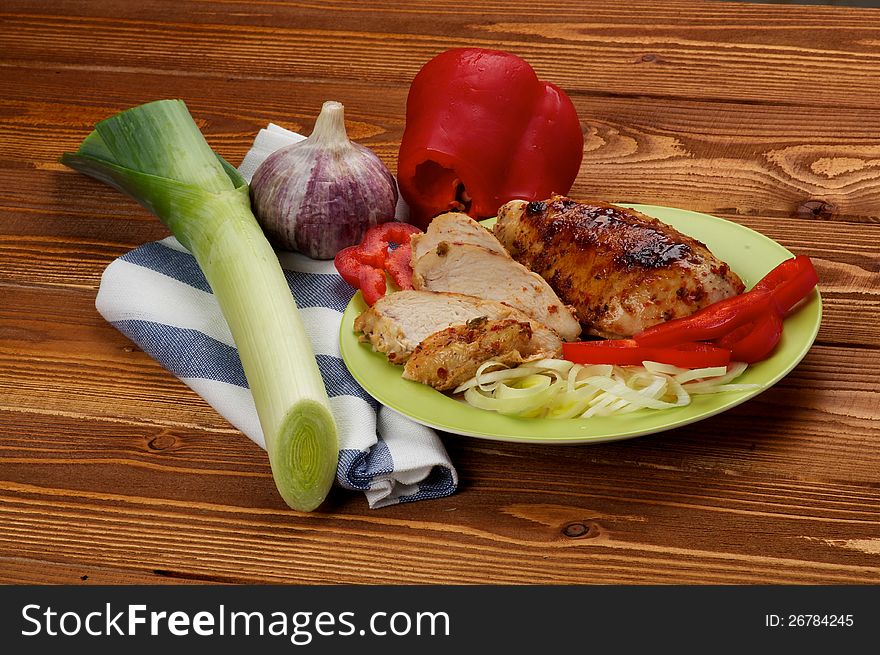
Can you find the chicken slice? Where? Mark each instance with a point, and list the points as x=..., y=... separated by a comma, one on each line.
x=621, y=270
x=397, y=323
x=477, y=271
x=454, y=227
x=449, y=357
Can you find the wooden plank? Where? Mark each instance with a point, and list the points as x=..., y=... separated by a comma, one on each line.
x=71, y=363
x=516, y=527
x=674, y=50
x=735, y=158
x=21, y=571
x=827, y=440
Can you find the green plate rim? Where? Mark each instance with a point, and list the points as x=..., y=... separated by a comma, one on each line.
x=381, y=379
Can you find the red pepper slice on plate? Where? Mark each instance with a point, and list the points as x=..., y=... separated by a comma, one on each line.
x=482, y=129
x=627, y=352
x=363, y=266
x=711, y=322
x=754, y=341
x=790, y=282
x=776, y=293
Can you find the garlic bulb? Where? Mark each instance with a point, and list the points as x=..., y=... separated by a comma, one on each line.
x=320, y=195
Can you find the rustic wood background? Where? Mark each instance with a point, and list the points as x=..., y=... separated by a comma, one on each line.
x=111, y=471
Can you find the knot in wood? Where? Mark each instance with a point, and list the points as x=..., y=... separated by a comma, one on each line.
x=162, y=442
x=813, y=209
x=651, y=58
x=580, y=530
x=574, y=530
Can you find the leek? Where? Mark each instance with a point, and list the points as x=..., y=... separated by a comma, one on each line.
x=556, y=388
x=156, y=154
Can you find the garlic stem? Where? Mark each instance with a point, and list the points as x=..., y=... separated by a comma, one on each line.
x=330, y=125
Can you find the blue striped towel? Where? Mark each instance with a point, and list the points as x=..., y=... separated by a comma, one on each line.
x=158, y=297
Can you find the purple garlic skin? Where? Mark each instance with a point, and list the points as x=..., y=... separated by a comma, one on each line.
x=322, y=194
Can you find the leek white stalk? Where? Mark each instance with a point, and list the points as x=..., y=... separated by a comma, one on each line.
x=156, y=154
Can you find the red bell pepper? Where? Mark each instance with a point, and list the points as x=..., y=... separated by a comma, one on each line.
x=749, y=325
x=360, y=274
x=711, y=322
x=399, y=266
x=363, y=266
x=790, y=282
x=377, y=240
x=626, y=352
x=482, y=129
x=754, y=341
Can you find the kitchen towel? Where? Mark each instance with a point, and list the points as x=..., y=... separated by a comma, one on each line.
x=158, y=297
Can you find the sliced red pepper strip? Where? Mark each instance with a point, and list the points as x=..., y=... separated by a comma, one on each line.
x=777, y=292
x=377, y=240
x=399, y=266
x=348, y=263
x=363, y=266
x=754, y=341
x=372, y=284
x=791, y=281
x=711, y=322
x=360, y=274
x=626, y=352
x=482, y=129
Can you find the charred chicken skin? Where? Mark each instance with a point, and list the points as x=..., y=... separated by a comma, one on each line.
x=621, y=270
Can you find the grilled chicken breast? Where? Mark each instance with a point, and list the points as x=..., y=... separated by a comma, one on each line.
x=478, y=271
x=454, y=227
x=621, y=270
x=397, y=323
x=449, y=357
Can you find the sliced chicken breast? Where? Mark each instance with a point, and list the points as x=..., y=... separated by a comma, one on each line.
x=449, y=357
x=621, y=270
x=454, y=227
x=477, y=271
x=397, y=323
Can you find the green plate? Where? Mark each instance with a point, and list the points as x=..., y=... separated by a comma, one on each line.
x=748, y=253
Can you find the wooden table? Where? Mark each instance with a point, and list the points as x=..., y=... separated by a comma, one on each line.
x=115, y=472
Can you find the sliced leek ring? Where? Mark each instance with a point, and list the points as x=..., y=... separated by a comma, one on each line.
x=556, y=388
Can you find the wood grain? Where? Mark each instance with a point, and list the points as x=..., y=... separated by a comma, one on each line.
x=780, y=160
x=112, y=471
x=826, y=55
